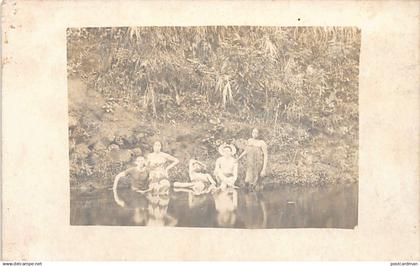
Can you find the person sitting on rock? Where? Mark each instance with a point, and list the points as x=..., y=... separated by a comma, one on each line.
x=226, y=169
x=199, y=180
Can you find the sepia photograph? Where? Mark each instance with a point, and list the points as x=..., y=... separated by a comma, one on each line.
x=210, y=131
x=248, y=127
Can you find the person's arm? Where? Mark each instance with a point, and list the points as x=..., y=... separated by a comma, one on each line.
x=147, y=163
x=190, y=167
x=201, y=163
x=117, y=179
x=235, y=170
x=244, y=152
x=114, y=188
x=174, y=160
x=216, y=167
x=242, y=155
x=265, y=154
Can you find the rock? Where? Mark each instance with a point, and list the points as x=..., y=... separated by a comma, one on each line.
x=86, y=188
x=107, y=139
x=93, y=159
x=123, y=156
x=113, y=147
x=137, y=152
x=99, y=146
x=140, y=136
x=130, y=141
x=82, y=150
x=73, y=121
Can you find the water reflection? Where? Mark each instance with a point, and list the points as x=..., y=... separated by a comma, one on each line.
x=285, y=207
x=226, y=203
x=158, y=211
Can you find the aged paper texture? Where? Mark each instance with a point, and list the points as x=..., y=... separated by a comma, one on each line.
x=41, y=217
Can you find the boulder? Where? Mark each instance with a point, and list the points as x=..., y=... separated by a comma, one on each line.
x=137, y=152
x=99, y=146
x=73, y=121
x=82, y=150
x=121, y=156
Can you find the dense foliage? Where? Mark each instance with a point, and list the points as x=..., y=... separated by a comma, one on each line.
x=298, y=83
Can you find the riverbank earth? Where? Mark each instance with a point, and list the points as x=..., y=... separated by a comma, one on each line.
x=106, y=135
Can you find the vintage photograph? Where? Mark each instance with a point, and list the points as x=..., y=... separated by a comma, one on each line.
x=214, y=126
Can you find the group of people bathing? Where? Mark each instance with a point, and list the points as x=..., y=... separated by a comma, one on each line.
x=151, y=173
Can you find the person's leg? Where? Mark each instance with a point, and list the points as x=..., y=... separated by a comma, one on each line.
x=217, y=177
x=164, y=186
x=210, y=179
x=154, y=187
x=181, y=189
x=223, y=186
x=222, y=181
x=230, y=181
x=142, y=191
x=183, y=184
x=198, y=187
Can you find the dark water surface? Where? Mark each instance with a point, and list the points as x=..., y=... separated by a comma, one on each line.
x=284, y=207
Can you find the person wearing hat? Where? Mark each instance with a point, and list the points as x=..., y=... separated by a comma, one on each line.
x=226, y=169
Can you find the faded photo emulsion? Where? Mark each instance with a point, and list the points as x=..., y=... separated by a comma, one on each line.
x=214, y=126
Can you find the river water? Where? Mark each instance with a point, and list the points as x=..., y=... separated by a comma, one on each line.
x=283, y=207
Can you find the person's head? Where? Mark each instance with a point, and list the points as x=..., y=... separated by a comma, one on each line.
x=196, y=166
x=255, y=133
x=140, y=161
x=157, y=146
x=227, y=151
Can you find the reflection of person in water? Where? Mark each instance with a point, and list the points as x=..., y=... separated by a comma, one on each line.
x=158, y=211
x=158, y=175
x=135, y=205
x=252, y=210
x=226, y=169
x=226, y=203
x=200, y=182
x=137, y=176
x=256, y=159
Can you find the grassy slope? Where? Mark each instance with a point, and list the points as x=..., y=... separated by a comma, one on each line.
x=102, y=144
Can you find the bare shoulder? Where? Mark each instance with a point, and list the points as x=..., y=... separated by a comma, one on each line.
x=130, y=170
x=262, y=143
x=168, y=156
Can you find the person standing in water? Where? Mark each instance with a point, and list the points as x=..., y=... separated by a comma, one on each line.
x=158, y=175
x=226, y=169
x=256, y=159
x=138, y=179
